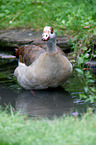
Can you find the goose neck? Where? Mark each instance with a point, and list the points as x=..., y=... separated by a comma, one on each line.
x=51, y=45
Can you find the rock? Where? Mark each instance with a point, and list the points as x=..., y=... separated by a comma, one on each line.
x=9, y=40
x=90, y=65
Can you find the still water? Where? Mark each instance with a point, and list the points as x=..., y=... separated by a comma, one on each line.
x=44, y=103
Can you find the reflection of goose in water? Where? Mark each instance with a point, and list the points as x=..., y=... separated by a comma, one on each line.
x=45, y=103
x=40, y=69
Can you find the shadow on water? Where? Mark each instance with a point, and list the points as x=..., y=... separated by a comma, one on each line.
x=43, y=103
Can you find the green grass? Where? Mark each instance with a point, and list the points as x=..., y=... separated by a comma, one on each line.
x=18, y=130
x=74, y=15
x=75, y=18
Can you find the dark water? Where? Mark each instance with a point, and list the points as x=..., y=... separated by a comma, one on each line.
x=44, y=103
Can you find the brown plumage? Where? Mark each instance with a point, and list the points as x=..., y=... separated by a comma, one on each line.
x=42, y=68
x=28, y=53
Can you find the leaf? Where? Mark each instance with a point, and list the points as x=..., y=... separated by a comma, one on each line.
x=82, y=96
x=72, y=60
x=2, y=15
x=80, y=60
x=94, y=31
x=90, y=81
x=93, y=89
x=86, y=55
x=85, y=48
x=88, y=75
x=86, y=89
x=89, y=50
x=79, y=71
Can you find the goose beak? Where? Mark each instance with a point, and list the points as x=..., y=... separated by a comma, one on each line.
x=46, y=38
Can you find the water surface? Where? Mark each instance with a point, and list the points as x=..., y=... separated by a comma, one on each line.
x=41, y=103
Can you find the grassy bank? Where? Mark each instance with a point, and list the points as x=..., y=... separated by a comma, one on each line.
x=75, y=18
x=17, y=130
x=69, y=15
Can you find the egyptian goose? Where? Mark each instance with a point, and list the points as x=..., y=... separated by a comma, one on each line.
x=39, y=68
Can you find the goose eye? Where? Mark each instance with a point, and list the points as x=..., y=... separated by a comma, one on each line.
x=46, y=35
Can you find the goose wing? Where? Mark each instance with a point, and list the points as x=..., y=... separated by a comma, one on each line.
x=27, y=54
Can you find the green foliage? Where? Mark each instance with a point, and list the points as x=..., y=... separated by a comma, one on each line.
x=89, y=89
x=19, y=130
x=88, y=81
x=74, y=15
x=86, y=53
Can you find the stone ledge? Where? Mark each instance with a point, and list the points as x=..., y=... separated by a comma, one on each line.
x=9, y=40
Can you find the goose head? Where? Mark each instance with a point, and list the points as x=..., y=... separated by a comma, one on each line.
x=49, y=36
x=48, y=33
